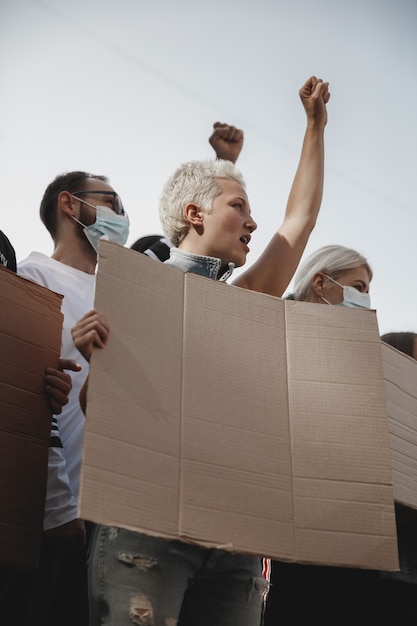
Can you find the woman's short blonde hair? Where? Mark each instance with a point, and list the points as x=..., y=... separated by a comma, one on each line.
x=193, y=182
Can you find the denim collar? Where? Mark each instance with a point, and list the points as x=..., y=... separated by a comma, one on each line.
x=197, y=264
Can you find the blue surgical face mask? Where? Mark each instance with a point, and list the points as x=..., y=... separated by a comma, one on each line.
x=352, y=297
x=108, y=225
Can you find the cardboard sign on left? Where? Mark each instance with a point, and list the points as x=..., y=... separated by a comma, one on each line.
x=30, y=341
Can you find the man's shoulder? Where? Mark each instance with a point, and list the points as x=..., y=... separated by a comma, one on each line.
x=72, y=283
x=35, y=264
x=42, y=264
x=35, y=259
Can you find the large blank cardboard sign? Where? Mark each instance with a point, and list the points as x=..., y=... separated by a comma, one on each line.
x=30, y=341
x=234, y=419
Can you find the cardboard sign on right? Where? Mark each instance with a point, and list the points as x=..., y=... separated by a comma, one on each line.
x=400, y=372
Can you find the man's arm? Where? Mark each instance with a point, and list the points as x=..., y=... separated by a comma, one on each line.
x=58, y=384
x=62, y=529
x=274, y=269
x=91, y=331
x=226, y=141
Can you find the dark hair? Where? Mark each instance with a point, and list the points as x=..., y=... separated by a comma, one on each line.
x=143, y=243
x=70, y=181
x=155, y=246
x=403, y=341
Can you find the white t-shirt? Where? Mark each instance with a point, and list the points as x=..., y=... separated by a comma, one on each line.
x=64, y=463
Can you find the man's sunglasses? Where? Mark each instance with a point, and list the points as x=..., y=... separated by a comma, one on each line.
x=116, y=205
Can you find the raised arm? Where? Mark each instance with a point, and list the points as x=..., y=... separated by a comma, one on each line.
x=226, y=141
x=274, y=269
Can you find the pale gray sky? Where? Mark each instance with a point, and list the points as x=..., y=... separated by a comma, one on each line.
x=131, y=89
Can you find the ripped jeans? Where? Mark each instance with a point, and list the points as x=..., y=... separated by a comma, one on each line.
x=138, y=579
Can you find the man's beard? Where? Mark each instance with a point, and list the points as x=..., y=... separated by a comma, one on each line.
x=86, y=217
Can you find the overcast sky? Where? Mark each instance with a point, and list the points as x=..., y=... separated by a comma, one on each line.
x=130, y=89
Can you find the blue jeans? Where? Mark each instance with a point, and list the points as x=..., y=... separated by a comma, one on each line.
x=138, y=579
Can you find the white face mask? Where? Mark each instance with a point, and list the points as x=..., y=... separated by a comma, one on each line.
x=352, y=297
x=108, y=225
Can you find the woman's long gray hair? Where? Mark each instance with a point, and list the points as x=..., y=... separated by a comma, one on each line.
x=331, y=260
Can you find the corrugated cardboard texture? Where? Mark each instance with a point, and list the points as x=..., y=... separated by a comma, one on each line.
x=401, y=391
x=233, y=419
x=30, y=341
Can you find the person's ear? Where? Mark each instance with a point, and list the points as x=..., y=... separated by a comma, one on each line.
x=66, y=204
x=194, y=214
x=318, y=284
